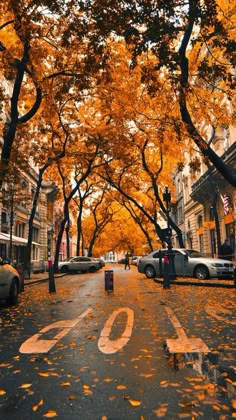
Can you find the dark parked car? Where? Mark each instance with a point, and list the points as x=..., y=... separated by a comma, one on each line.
x=188, y=263
x=10, y=283
x=81, y=264
x=121, y=261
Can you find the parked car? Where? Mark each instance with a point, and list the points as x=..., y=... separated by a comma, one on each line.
x=188, y=263
x=101, y=261
x=121, y=261
x=81, y=264
x=135, y=259
x=10, y=283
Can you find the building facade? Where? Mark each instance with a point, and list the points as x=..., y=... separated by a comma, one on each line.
x=205, y=206
x=15, y=209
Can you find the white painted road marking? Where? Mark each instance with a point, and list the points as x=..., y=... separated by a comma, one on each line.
x=37, y=345
x=183, y=344
x=108, y=346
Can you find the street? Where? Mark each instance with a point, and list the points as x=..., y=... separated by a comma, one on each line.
x=139, y=351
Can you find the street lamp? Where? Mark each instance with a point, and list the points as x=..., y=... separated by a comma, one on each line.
x=171, y=265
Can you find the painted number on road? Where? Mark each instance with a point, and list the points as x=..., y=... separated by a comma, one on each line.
x=38, y=344
x=108, y=346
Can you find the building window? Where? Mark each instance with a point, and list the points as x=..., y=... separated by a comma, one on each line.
x=200, y=221
x=180, y=213
x=4, y=222
x=35, y=234
x=35, y=253
x=50, y=211
x=20, y=230
x=201, y=248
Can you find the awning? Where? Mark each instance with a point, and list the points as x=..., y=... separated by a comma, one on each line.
x=16, y=240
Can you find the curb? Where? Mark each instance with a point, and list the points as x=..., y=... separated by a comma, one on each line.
x=198, y=283
x=29, y=282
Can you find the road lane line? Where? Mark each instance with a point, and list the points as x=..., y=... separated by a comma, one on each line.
x=183, y=344
x=108, y=346
x=36, y=344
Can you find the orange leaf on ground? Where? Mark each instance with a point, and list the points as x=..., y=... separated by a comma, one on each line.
x=135, y=403
x=160, y=412
x=25, y=386
x=35, y=407
x=121, y=387
x=147, y=375
x=50, y=414
x=2, y=391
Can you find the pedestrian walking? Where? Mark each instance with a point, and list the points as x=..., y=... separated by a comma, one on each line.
x=127, y=261
x=226, y=251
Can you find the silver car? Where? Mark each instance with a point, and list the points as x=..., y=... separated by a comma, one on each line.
x=188, y=263
x=101, y=261
x=81, y=264
x=10, y=283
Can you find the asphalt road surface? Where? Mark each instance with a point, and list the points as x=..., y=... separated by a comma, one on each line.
x=136, y=352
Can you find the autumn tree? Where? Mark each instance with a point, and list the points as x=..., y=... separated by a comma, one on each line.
x=73, y=172
x=135, y=131
x=37, y=57
x=47, y=152
x=77, y=211
x=102, y=212
x=194, y=44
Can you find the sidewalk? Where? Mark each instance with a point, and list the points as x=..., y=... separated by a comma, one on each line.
x=40, y=278
x=230, y=284
x=43, y=277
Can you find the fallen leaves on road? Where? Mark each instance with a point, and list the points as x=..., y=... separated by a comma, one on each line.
x=192, y=394
x=65, y=384
x=36, y=406
x=135, y=403
x=50, y=414
x=24, y=386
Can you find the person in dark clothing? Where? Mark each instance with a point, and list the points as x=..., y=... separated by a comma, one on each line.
x=127, y=262
x=226, y=251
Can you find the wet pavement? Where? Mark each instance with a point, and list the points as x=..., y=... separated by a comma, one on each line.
x=138, y=351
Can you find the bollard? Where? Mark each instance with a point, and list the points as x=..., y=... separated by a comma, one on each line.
x=109, y=280
x=166, y=277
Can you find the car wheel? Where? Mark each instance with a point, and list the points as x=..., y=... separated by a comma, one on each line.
x=150, y=271
x=64, y=269
x=14, y=292
x=92, y=269
x=201, y=272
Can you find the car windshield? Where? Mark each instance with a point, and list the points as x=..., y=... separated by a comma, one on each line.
x=194, y=254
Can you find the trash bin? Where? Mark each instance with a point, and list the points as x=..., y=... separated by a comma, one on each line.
x=109, y=280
